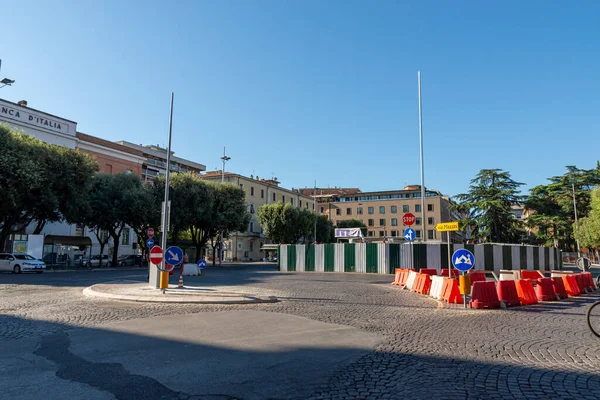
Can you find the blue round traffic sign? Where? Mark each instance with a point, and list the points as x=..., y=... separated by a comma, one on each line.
x=410, y=234
x=202, y=264
x=150, y=243
x=174, y=255
x=463, y=260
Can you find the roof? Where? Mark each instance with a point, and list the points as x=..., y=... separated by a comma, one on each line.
x=329, y=191
x=36, y=110
x=153, y=151
x=102, y=142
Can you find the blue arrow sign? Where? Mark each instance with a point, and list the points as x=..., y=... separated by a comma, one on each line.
x=202, y=264
x=410, y=234
x=150, y=243
x=463, y=260
x=174, y=255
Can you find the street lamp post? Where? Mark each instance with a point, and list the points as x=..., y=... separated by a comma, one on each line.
x=224, y=159
x=575, y=209
x=423, y=219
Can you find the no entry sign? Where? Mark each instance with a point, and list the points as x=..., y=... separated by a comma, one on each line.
x=408, y=219
x=150, y=232
x=156, y=255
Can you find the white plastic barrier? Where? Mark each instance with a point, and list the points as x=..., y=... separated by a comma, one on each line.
x=560, y=274
x=190, y=269
x=437, y=283
x=411, y=279
x=506, y=275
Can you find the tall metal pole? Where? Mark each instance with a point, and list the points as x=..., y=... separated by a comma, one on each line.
x=423, y=219
x=224, y=159
x=315, y=210
x=575, y=208
x=154, y=275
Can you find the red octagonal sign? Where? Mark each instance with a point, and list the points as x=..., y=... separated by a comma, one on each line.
x=156, y=255
x=150, y=232
x=408, y=219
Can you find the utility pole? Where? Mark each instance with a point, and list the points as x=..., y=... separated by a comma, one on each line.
x=315, y=210
x=423, y=219
x=224, y=159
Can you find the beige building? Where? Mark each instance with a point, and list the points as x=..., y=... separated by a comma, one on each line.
x=246, y=246
x=382, y=211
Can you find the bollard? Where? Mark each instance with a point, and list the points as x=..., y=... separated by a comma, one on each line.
x=465, y=284
x=164, y=280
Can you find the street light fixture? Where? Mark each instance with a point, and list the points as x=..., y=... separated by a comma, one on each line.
x=6, y=82
x=224, y=159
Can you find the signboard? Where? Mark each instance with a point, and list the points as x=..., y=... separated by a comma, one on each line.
x=156, y=255
x=408, y=219
x=174, y=255
x=20, y=246
x=410, y=234
x=24, y=116
x=348, y=233
x=463, y=260
x=202, y=264
x=447, y=226
x=150, y=232
x=150, y=243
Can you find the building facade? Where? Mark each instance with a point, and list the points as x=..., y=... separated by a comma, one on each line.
x=247, y=246
x=382, y=212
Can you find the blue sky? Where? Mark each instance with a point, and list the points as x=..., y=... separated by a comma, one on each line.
x=323, y=90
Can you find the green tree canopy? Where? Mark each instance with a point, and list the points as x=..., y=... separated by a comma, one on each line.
x=587, y=231
x=284, y=223
x=488, y=202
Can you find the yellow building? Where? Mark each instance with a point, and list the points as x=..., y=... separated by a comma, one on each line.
x=246, y=246
x=382, y=211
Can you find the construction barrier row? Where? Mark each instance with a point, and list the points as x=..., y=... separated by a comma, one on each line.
x=384, y=258
x=528, y=290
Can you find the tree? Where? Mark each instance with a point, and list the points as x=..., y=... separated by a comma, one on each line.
x=145, y=212
x=552, y=215
x=325, y=230
x=284, y=223
x=489, y=200
x=353, y=223
x=112, y=201
x=587, y=231
x=39, y=182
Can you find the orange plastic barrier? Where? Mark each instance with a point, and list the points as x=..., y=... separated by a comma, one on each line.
x=397, y=276
x=451, y=291
x=580, y=284
x=444, y=272
x=535, y=275
x=477, y=277
x=545, y=290
x=428, y=271
x=417, y=283
x=404, y=276
x=484, y=295
x=559, y=287
x=571, y=285
x=507, y=292
x=425, y=284
x=525, y=292
x=591, y=280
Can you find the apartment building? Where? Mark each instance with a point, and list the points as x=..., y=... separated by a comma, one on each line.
x=382, y=212
x=247, y=246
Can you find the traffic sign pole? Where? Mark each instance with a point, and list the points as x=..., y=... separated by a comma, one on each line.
x=449, y=257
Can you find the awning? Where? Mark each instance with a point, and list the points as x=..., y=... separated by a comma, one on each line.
x=68, y=240
x=269, y=247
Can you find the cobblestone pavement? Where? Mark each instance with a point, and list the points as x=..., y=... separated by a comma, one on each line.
x=430, y=351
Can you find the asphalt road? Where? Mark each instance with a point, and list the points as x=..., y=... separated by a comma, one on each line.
x=333, y=336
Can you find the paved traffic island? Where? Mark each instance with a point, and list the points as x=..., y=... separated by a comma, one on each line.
x=141, y=292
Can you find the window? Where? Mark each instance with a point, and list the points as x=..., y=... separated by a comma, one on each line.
x=430, y=220
x=262, y=193
x=382, y=222
x=405, y=208
x=429, y=207
x=394, y=209
x=251, y=190
x=417, y=208
x=251, y=208
x=338, y=211
x=322, y=209
x=381, y=233
x=381, y=209
x=394, y=233
x=359, y=210
x=394, y=221
x=108, y=168
x=348, y=211
x=370, y=233
x=371, y=210
x=128, y=172
x=283, y=198
x=431, y=234
x=251, y=227
x=371, y=222
x=292, y=201
x=242, y=186
x=125, y=237
x=313, y=206
x=300, y=201
x=418, y=234
x=274, y=196
x=417, y=221
x=251, y=245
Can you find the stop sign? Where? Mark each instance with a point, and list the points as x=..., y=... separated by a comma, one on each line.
x=408, y=219
x=156, y=255
x=150, y=232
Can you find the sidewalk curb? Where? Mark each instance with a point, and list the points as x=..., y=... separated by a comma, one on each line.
x=94, y=270
x=90, y=292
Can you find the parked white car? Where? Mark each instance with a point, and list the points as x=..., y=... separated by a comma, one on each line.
x=20, y=262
